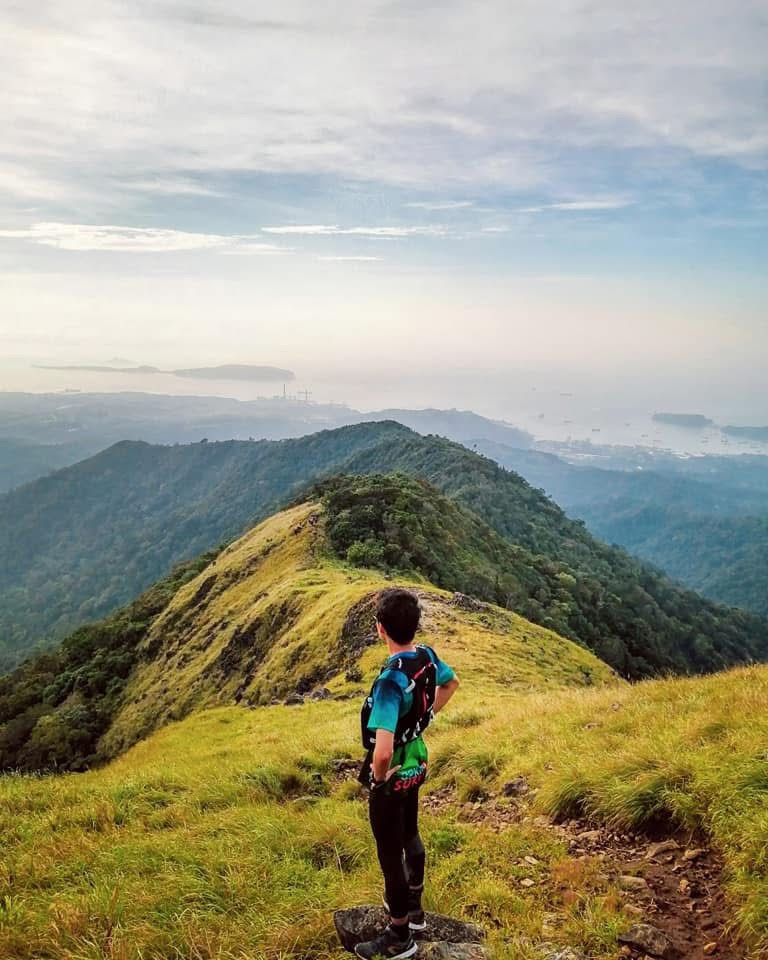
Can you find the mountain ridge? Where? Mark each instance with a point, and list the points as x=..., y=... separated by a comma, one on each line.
x=142, y=518
x=276, y=613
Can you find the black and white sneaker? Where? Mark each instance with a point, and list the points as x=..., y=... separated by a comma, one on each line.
x=389, y=945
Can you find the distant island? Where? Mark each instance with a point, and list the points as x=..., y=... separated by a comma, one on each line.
x=696, y=420
x=748, y=433
x=227, y=371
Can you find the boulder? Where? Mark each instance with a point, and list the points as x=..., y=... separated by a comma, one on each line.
x=442, y=950
x=642, y=936
x=665, y=846
x=552, y=951
x=470, y=604
x=516, y=787
x=356, y=924
x=630, y=882
x=293, y=700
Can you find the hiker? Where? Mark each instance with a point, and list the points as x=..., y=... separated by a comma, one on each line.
x=413, y=686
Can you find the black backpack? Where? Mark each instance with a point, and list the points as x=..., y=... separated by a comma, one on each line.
x=421, y=672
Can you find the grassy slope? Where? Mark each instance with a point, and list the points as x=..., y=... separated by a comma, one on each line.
x=226, y=836
x=266, y=618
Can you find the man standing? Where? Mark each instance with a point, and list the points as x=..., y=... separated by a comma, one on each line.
x=413, y=686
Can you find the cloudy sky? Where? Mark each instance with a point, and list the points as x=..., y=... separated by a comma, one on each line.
x=494, y=186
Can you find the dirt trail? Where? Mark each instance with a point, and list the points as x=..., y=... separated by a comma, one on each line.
x=672, y=883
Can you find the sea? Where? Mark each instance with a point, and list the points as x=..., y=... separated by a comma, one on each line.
x=565, y=410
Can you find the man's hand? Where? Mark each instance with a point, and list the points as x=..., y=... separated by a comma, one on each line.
x=444, y=693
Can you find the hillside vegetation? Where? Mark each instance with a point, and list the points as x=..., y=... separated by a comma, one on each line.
x=706, y=527
x=725, y=558
x=81, y=542
x=273, y=614
x=91, y=537
x=630, y=614
x=231, y=834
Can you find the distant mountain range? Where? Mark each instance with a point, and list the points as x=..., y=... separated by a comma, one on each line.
x=43, y=432
x=749, y=433
x=77, y=544
x=700, y=519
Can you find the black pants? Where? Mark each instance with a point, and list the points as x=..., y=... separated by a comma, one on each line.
x=395, y=823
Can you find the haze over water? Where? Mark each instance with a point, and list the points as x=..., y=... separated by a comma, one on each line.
x=552, y=408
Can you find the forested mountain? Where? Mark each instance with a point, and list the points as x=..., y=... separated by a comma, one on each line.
x=725, y=558
x=703, y=521
x=81, y=542
x=90, y=537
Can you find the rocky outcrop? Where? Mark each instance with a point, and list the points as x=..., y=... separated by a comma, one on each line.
x=642, y=936
x=356, y=924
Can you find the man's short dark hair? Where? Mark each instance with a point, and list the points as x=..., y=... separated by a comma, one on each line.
x=398, y=611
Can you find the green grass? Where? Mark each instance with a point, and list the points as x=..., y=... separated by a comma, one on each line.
x=279, y=589
x=686, y=754
x=226, y=836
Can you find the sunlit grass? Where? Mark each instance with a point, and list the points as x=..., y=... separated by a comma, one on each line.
x=227, y=835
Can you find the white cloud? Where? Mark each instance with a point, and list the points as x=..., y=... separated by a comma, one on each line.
x=171, y=186
x=324, y=230
x=81, y=237
x=342, y=258
x=440, y=204
x=597, y=204
x=255, y=249
x=505, y=94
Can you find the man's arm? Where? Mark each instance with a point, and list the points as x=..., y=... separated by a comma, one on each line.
x=382, y=755
x=444, y=693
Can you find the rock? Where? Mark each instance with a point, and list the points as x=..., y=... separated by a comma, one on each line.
x=551, y=951
x=322, y=693
x=656, y=849
x=589, y=835
x=629, y=882
x=709, y=948
x=516, y=787
x=642, y=936
x=691, y=855
x=442, y=950
x=471, y=604
x=356, y=924
x=293, y=700
x=527, y=882
x=531, y=861
x=684, y=886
